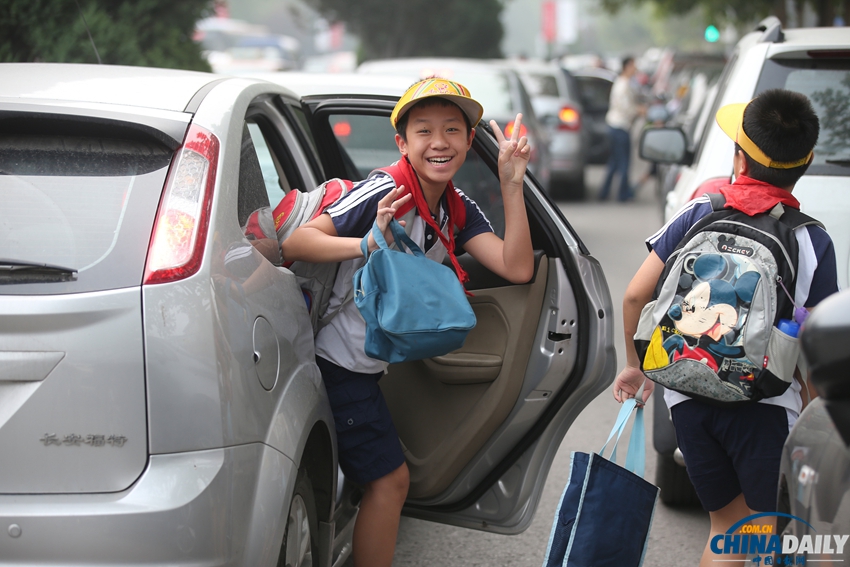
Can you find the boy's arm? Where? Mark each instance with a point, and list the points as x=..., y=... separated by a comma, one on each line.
x=638, y=294
x=318, y=241
x=513, y=257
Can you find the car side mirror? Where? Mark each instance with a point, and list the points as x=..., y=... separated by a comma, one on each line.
x=824, y=339
x=665, y=145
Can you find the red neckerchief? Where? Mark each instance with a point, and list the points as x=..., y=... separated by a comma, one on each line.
x=403, y=174
x=751, y=196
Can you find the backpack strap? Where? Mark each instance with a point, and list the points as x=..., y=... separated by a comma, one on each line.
x=789, y=216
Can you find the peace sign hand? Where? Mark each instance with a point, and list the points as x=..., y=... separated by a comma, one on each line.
x=387, y=208
x=514, y=153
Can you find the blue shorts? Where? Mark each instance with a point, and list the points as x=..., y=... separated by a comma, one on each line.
x=729, y=451
x=367, y=440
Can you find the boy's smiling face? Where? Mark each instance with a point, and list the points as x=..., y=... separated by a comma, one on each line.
x=436, y=144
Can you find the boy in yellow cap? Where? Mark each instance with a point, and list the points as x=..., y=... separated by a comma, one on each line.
x=733, y=453
x=434, y=123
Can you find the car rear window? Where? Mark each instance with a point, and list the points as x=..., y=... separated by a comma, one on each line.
x=541, y=84
x=827, y=84
x=79, y=196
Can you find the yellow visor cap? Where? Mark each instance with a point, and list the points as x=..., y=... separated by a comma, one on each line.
x=442, y=88
x=730, y=118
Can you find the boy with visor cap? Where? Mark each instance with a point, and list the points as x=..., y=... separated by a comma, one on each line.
x=434, y=122
x=733, y=453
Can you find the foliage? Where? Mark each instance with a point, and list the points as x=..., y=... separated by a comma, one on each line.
x=154, y=33
x=834, y=118
x=420, y=28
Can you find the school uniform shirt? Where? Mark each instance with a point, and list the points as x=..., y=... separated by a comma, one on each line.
x=816, y=279
x=343, y=340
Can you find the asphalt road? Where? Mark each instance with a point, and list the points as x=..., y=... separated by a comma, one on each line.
x=614, y=234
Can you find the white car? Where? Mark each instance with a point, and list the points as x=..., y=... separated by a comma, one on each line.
x=160, y=403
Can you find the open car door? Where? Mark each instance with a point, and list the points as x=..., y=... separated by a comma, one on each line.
x=481, y=425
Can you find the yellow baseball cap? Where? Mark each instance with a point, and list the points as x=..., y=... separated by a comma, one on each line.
x=730, y=118
x=442, y=88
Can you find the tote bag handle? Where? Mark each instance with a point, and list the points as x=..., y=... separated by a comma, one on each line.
x=400, y=236
x=636, y=455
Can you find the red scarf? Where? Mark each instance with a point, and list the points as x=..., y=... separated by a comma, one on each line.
x=403, y=173
x=751, y=196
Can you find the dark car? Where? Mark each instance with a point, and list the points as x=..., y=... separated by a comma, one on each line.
x=594, y=85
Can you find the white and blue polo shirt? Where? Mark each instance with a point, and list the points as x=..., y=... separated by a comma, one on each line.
x=343, y=340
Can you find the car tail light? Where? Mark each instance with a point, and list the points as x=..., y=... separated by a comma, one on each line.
x=509, y=130
x=712, y=185
x=342, y=129
x=569, y=119
x=180, y=232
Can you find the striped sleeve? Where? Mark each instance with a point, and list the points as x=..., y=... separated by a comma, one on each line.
x=354, y=214
x=664, y=241
x=817, y=276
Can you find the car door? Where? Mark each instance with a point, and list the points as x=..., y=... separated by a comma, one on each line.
x=481, y=425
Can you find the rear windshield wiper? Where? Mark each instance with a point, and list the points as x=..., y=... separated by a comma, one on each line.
x=841, y=162
x=18, y=272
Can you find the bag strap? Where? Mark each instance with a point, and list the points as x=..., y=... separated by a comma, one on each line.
x=403, y=241
x=789, y=216
x=636, y=455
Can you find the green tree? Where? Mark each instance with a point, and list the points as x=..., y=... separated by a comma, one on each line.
x=153, y=33
x=420, y=28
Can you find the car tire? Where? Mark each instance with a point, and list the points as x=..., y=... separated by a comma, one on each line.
x=676, y=488
x=568, y=188
x=300, y=536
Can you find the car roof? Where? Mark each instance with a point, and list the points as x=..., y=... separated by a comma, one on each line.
x=806, y=39
x=423, y=67
x=308, y=84
x=596, y=72
x=165, y=89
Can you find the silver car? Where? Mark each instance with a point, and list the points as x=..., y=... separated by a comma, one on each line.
x=159, y=397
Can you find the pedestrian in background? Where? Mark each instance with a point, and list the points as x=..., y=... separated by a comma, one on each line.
x=623, y=108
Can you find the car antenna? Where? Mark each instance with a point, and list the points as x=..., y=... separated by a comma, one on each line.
x=91, y=39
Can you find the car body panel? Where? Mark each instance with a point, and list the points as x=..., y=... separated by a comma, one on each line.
x=47, y=418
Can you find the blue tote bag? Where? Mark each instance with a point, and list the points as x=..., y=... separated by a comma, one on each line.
x=414, y=307
x=606, y=510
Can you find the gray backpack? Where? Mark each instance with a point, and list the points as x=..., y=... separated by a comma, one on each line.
x=711, y=331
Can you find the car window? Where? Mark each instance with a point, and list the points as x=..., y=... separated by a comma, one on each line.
x=541, y=84
x=369, y=143
x=595, y=93
x=275, y=183
x=253, y=191
x=492, y=90
x=78, y=195
x=827, y=84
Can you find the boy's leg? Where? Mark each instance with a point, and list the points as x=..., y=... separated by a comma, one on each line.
x=732, y=455
x=370, y=455
x=721, y=520
x=376, y=527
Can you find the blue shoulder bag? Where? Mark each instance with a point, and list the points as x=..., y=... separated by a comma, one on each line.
x=414, y=307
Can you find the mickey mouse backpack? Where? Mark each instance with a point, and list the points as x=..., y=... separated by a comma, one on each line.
x=712, y=331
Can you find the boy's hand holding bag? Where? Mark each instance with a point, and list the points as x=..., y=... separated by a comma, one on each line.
x=606, y=510
x=414, y=308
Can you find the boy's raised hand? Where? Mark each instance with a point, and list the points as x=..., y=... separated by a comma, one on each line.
x=513, y=153
x=387, y=208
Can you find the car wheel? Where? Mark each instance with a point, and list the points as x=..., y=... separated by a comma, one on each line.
x=676, y=487
x=300, y=543
x=568, y=188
